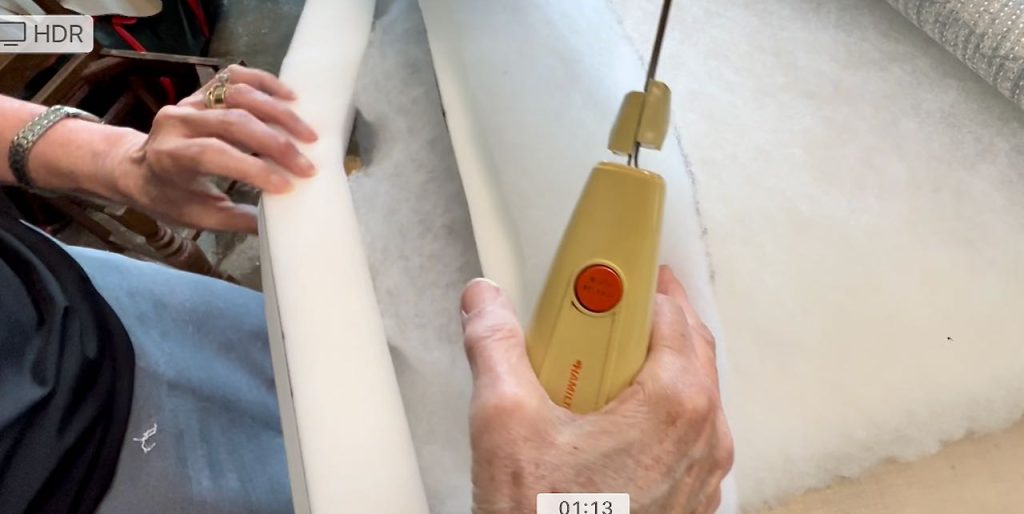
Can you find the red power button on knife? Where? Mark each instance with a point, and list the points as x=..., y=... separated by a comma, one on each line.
x=598, y=288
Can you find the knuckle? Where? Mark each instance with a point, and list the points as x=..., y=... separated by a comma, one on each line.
x=232, y=68
x=259, y=174
x=705, y=333
x=673, y=392
x=242, y=89
x=725, y=457
x=702, y=401
x=668, y=399
x=715, y=501
x=669, y=322
x=489, y=329
x=169, y=113
x=289, y=117
x=284, y=145
x=238, y=116
x=500, y=403
x=689, y=404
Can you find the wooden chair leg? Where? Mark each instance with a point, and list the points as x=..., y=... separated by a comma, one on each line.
x=179, y=252
x=90, y=225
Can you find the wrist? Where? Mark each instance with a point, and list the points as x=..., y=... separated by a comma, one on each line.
x=84, y=157
x=122, y=166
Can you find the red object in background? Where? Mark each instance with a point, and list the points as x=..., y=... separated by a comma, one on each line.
x=197, y=10
x=119, y=23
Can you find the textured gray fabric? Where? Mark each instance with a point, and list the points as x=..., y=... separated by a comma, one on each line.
x=419, y=244
x=203, y=377
x=987, y=35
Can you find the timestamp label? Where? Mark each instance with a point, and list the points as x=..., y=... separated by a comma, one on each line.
x=583, y=503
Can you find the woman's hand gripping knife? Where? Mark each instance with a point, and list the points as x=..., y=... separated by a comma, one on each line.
x=664, y=440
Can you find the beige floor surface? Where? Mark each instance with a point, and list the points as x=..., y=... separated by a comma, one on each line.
x=982, y=475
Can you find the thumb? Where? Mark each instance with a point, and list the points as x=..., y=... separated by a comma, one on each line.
x=494, y=341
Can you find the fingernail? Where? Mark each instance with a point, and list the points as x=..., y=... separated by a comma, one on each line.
x=479, y=293
x=666, y=269
x=311, y=135
x=281, y=183
x=307, y=166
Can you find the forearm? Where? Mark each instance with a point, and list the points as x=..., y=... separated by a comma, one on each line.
x=74, y=155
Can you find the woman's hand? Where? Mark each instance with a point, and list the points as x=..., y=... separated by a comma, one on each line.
x=664, y=440
x=167, y=172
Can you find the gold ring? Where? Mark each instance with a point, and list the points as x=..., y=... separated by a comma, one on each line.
x=217, y=96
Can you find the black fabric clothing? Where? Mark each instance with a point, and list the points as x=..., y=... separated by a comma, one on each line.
x=66, y=379
x=6, y=207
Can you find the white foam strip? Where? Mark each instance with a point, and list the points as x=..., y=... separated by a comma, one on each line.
x=348, y=441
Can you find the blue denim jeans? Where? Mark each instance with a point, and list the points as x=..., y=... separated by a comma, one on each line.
x=204, y=433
